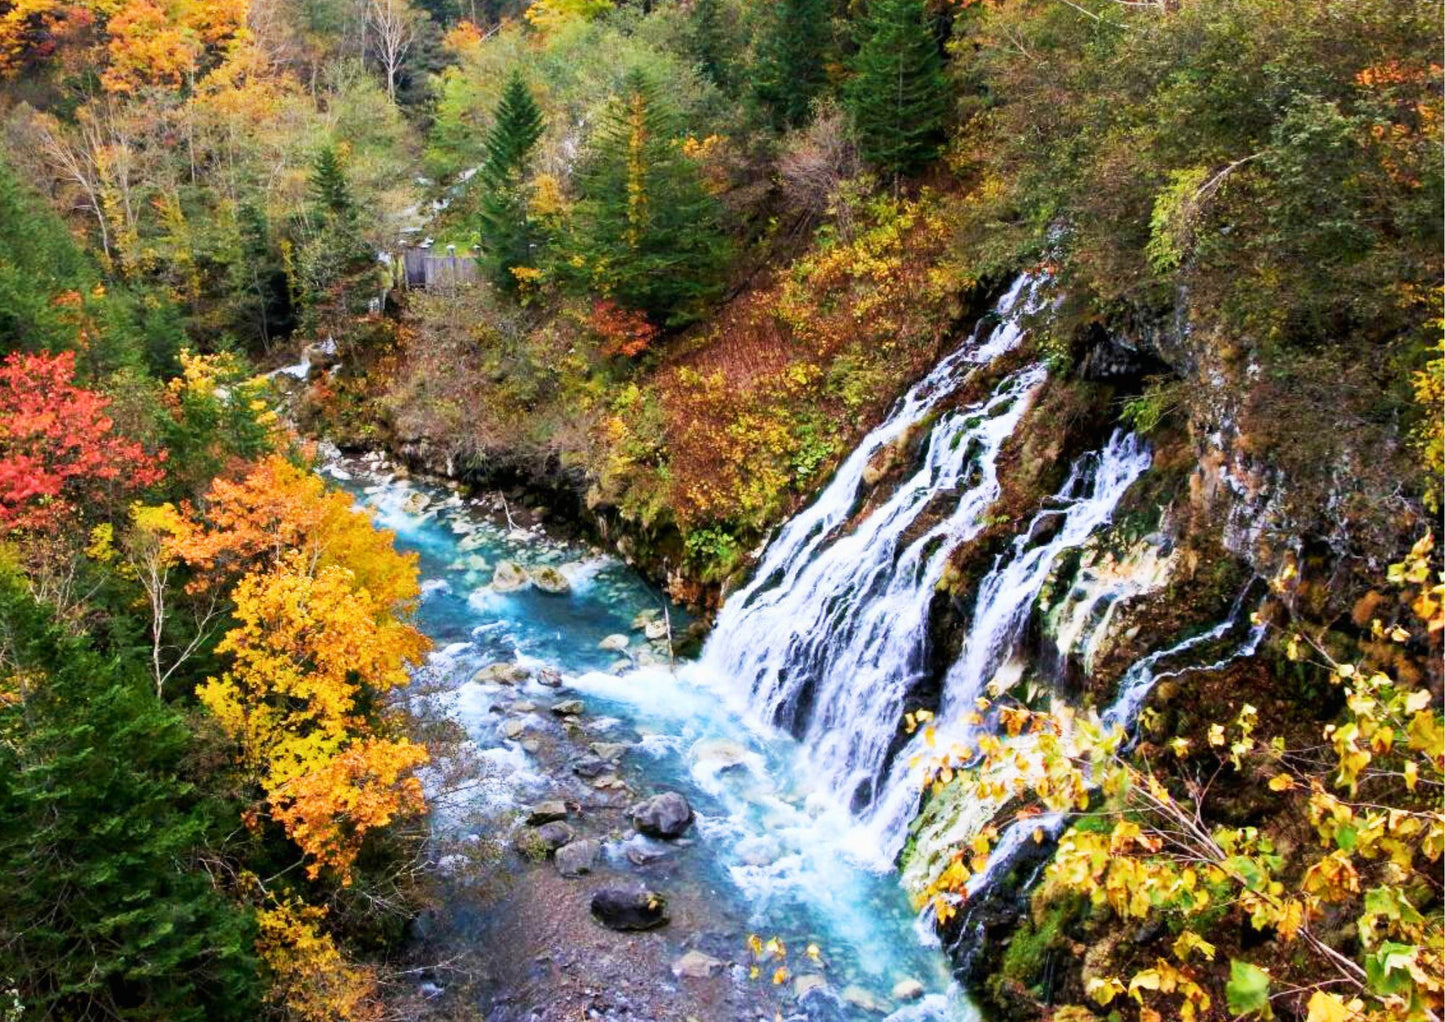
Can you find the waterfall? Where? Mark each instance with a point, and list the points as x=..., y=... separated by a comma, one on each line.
x=829, y=637
x=1085, y=502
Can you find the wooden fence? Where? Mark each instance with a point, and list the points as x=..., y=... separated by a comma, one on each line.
x=424, y=268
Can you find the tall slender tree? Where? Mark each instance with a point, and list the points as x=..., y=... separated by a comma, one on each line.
x=791, y=70
x=647, y=230
x=337, y=264
x=509, y=237
x=898, y=97
x=707, y=41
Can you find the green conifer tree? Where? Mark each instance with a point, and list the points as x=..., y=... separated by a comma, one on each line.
x=899, y=95
x=509, y=237
x=337, y=265
x=646, y=229
x=708, y=41
x=103, y=910
x=791, y=69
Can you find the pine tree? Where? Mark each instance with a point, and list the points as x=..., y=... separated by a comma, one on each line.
x=899, y=97
x=103, y=911
x=509, y=238
x=516, y=129
x=647, y=230
x=791, y=69
x=707, y=40
x=337, y=266
x=330, y=194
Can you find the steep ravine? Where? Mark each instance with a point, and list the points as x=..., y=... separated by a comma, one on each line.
x=998, y=533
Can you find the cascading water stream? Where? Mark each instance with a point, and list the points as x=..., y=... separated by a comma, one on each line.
x=1087, y=500
x=830, y=636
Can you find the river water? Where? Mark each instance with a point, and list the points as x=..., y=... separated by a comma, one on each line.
x=771, y=849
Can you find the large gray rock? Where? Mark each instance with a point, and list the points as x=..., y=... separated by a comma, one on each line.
x=807, y=983
x=624, y=908
x=550, y=580
x=555, y=834
x=578, y=857
x=568, y=708
x=616, y=642
x=509, y=576
x=666, y=815
x=546, y=812
x=513, y=729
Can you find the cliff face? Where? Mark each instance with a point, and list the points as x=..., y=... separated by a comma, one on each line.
x=1253, y=510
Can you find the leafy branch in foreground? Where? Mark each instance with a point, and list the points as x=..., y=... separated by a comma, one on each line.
x=1143, y=845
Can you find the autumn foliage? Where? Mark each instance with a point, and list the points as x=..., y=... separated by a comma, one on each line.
x=321, y=607
x=59, y=452
x=1335, y=890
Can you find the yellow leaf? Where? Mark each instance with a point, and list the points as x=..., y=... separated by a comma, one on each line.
x=1281, y=782
x=1325, y=1007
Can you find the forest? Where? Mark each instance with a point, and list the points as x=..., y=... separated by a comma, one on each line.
x=1003, y=436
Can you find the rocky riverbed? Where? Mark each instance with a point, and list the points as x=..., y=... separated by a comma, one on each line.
x=584, y=763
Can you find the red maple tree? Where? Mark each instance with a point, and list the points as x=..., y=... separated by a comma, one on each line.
x=59, y=452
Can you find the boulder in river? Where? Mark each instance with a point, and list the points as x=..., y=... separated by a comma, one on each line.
x=696, y=965
x=616, y=642
x=502, y=674
x=568, y=708
x=577, y=858
x=509, y=576
x=550, y=580
x=513, y=729
x=590, y=766
x=629, y=908
x=549, y=676
x=546, y=812
x=610, y=751
x=907, y=990
x=415, y=503
x=555, y=834
x=645, y=618
x=655, y=630
x=666, y=815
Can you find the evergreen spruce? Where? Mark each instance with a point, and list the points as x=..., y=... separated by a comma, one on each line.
x=708, y=42
x=648, y=231
x=103, y=910
x=516, y=129
x=899, y=96
x=337, y=266
x=791, y=69
x=509, y=238
x=330, y=194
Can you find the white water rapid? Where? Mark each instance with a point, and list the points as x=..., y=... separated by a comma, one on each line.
x=829, y=637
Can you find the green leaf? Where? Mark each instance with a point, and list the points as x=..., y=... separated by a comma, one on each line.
x=1388, y=969
x=1248, y=988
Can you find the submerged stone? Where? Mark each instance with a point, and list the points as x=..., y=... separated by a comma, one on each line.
x=696, y=965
